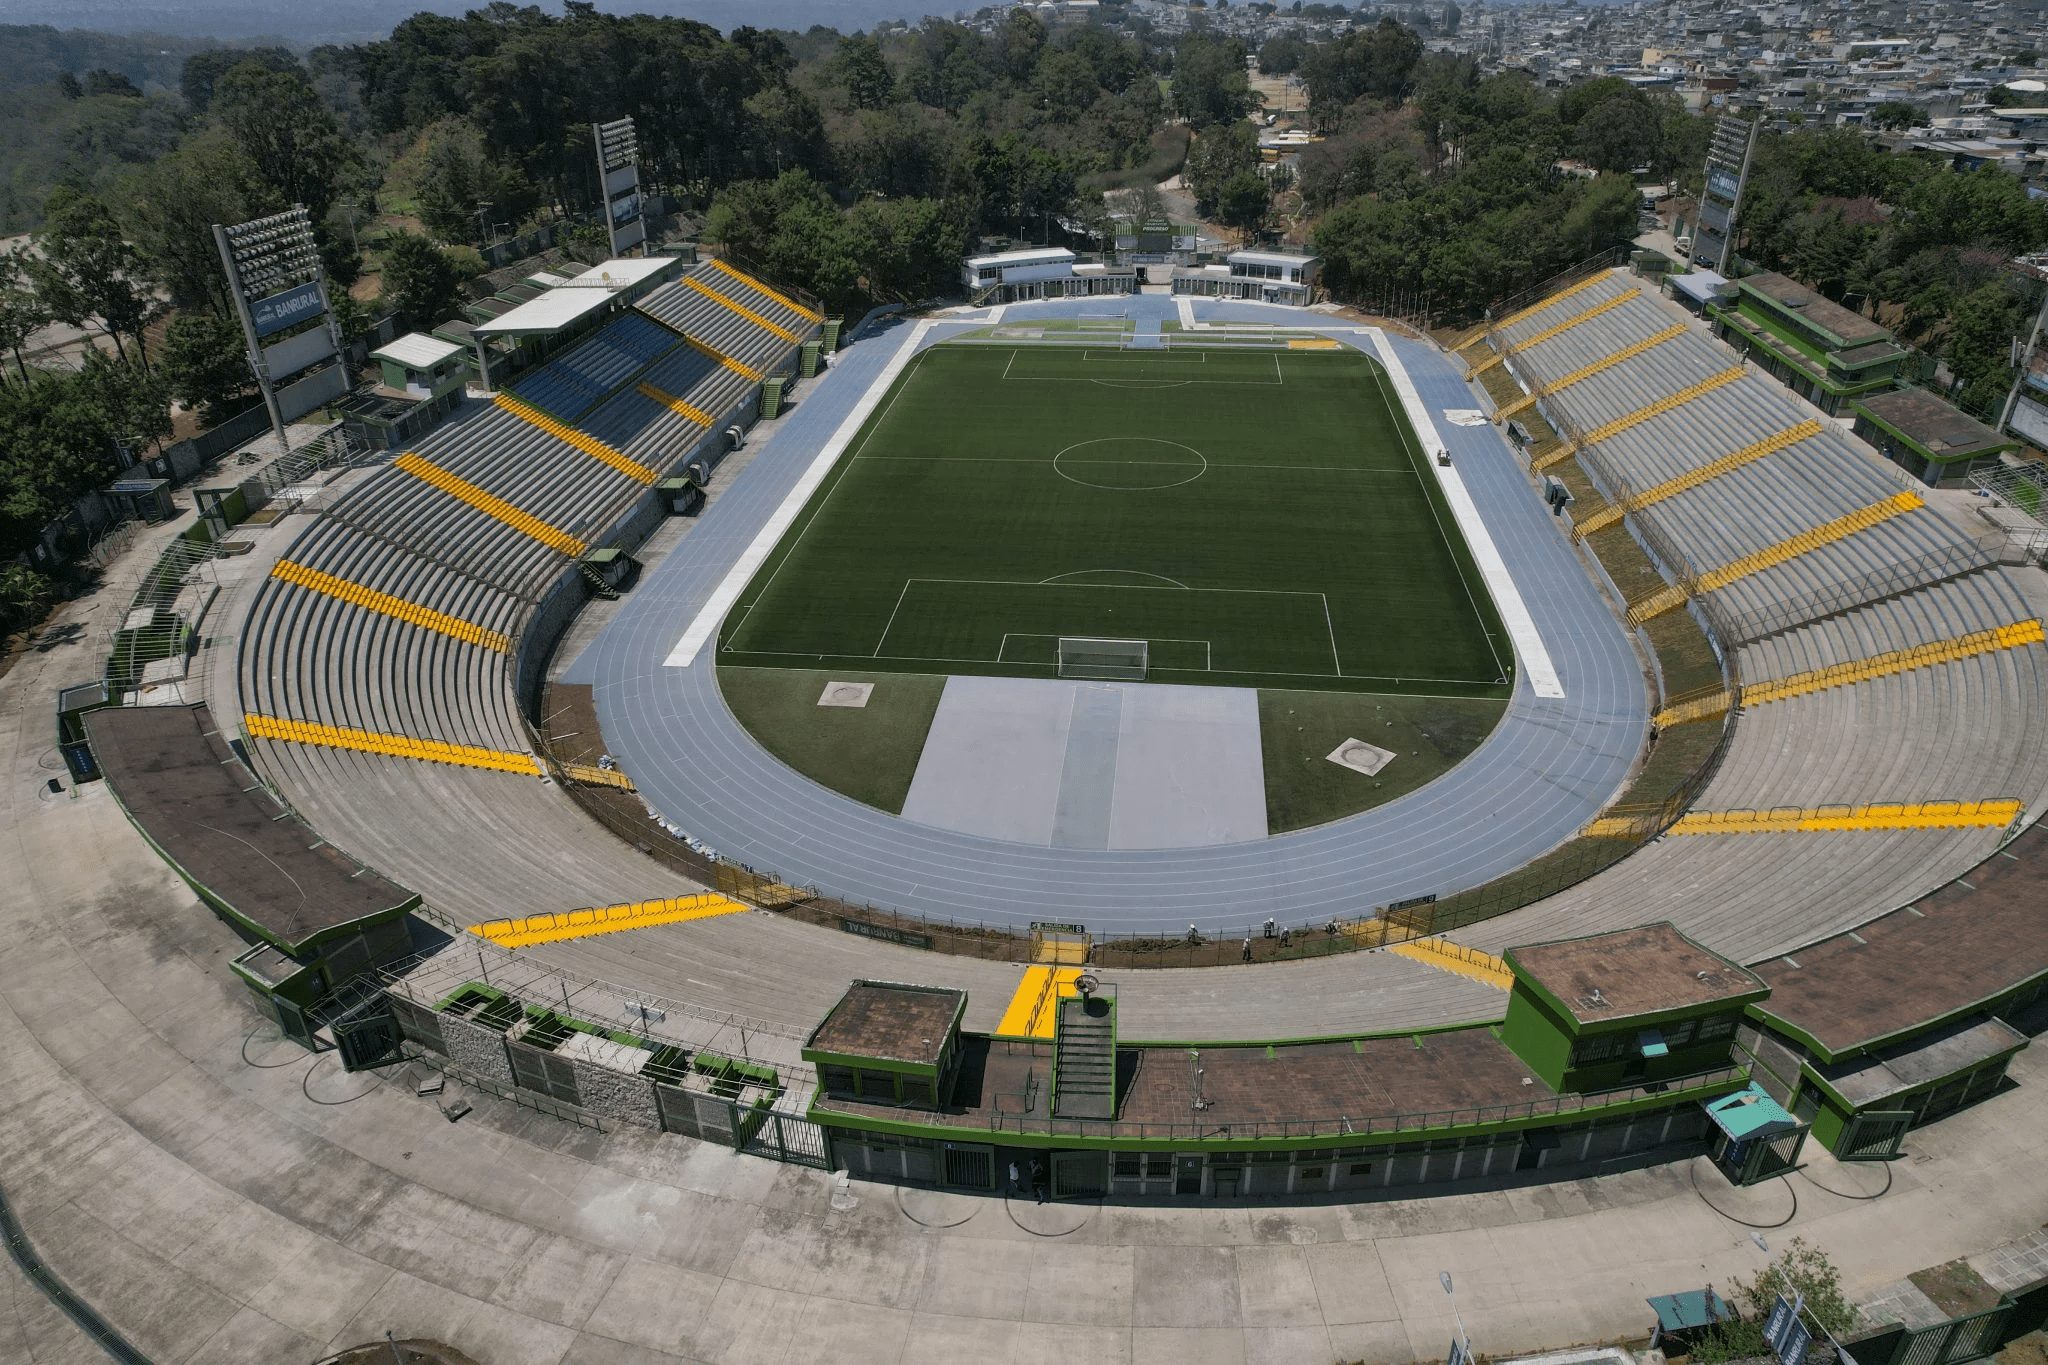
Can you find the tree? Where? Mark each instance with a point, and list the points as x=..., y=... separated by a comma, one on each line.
x=1243, y=201
x=1619, y=134
x=21, y=313
x=1219, y=157
x=282, y=127
x=89, y=274
x=203, y=70
x=1800, y=1269
x=1897, y=115
x=1980, y=337
x=448, y=172
x=1209, y=85
x=1282, y=54
x=863, y=72
x=420, y=280
x=60, y=435
x=169, y=208
x=100, y=81
x=204, y=365
x=1377, y=63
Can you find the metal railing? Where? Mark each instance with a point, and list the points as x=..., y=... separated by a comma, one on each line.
x=1345, y=1126
x=154, y=627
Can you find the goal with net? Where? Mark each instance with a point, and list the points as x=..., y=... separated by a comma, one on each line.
x=1103, y=660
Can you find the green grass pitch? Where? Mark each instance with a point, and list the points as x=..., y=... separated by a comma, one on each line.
x=1263, y=518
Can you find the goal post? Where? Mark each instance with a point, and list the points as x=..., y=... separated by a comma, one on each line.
x=1084, y=656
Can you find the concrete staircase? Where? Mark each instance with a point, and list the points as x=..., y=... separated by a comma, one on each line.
x=1084, y=1060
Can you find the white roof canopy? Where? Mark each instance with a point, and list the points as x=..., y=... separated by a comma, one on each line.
x=418, y=351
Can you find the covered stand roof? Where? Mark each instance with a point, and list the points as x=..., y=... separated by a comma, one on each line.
x=418, y=351
x=1631, y=973
x=187, y=791
x=1941, y=430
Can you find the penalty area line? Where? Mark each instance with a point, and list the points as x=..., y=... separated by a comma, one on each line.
x=705, y=625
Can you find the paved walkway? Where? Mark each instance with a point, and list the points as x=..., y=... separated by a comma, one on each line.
x=219, y=1196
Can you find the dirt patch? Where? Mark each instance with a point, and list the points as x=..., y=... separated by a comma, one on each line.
x=2031, y=1349
x=1955, y=1288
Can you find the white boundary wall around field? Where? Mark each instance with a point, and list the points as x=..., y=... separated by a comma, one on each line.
x=1507, y=598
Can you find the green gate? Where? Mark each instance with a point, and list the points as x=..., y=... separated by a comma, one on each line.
x=1957, y=1340
x=1875, y=1135
x=1080, y=1175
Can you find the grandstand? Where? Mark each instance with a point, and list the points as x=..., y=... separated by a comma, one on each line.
x=1888, y=679
x=1882, y=658
x=381, y=670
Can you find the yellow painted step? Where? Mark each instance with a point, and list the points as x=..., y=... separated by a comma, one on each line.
x=590, y=775
x=2014, y=636
x=583, y=441
x=1608, y=362
x=1556, y=330
x=369, y=599
x=675, y=404
x=1033, y=1008
x=749, y=314
x=1559, y=297
x=1459, y=960
x=491, y=505
x=744, y=371
x=395, y=746
x=1691, y=479
x=750, y=282
x=1994, y=814
x=604, y=919
x=1806, y=542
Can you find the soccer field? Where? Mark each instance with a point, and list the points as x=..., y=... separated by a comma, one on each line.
x=1261, y=518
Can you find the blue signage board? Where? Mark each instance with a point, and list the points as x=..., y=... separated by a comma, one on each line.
x=282, y=310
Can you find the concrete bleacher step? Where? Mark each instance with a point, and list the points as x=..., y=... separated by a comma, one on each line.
x=1084, y=1060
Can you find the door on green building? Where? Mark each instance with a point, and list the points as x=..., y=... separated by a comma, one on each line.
x=969, y=1167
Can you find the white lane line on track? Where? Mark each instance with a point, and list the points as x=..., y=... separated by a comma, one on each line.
x=756, y=554
x=1507, y=598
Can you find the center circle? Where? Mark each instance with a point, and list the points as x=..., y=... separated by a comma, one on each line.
x=1130, y=463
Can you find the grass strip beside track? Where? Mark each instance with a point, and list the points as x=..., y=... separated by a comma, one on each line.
x=869, y=753
x=1298, y=730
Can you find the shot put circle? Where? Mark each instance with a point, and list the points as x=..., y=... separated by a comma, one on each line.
x=1129, y=464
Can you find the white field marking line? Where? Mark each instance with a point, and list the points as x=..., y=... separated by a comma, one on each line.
x=886, y=625
x=1076, y=573
x=855, y=660
x=756, y=554
x=1132, y=587
x=1507, y=598
x=1208, y=648
x=1406, y=471
x=1335, y=657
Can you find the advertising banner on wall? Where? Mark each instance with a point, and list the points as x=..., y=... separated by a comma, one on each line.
x=287, y=307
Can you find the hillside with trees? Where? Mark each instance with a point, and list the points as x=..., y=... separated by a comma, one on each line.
x=861, y=167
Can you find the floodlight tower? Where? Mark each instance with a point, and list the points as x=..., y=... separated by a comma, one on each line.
x=618, y=170
x=275, y=279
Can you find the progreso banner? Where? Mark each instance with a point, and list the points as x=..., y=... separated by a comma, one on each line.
x=294, y=305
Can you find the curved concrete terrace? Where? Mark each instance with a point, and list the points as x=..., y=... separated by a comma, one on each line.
x=1545, y=771
x=220, y=1196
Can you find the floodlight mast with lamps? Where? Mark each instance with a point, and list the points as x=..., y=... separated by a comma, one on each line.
x=263, y=255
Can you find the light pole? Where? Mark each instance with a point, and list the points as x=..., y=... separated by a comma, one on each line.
x=1464, y=1342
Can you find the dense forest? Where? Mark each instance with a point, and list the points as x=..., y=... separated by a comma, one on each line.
x=861, y=166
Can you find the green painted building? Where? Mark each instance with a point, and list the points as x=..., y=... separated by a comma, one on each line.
x=1095, y=1113
x=1822, y=351
x=1930, y=439
x=1623, y=1008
